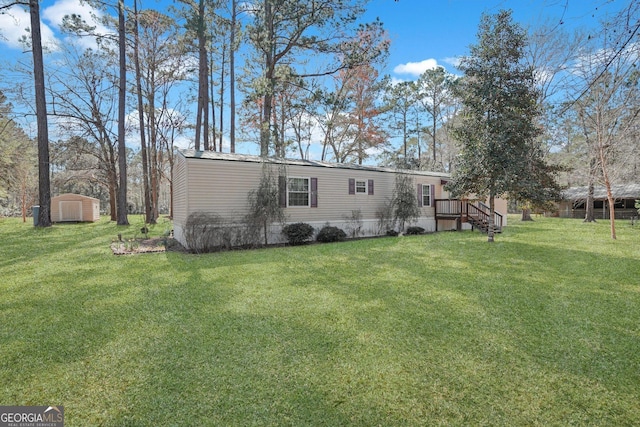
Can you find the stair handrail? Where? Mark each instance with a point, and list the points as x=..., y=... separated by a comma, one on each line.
x=476, y=211
x=497, y=216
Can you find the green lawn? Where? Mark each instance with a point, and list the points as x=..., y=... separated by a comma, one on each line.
x=540, y=328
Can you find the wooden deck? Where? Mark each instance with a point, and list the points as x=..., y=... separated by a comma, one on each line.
x=463, y=211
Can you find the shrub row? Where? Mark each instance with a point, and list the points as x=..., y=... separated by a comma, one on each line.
x=207, y=232
x=301, y=232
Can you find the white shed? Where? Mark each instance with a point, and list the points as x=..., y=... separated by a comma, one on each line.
x=74, y=208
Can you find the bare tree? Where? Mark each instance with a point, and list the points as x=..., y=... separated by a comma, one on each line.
x=285, y=32
x=608, y=106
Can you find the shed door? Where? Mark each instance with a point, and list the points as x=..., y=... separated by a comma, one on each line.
x=71, y=211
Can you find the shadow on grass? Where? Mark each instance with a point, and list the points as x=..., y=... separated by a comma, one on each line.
x=439, y=329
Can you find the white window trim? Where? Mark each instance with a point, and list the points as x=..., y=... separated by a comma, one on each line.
x=289, y=205
x=428, y=193
x=363, y=187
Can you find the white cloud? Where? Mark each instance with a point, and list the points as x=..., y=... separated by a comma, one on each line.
x=55, y=14
x=15, y=23
x=452, y=60
x=416, y=68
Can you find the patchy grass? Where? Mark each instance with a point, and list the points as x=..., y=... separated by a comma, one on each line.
x=540, y=328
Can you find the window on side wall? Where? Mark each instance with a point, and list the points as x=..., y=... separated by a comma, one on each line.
x=298, y=192
x=426, y=195
x=360, y=186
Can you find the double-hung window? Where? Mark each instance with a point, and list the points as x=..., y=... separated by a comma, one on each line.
x=426, y=195
x=360, y=186
x=298, y=192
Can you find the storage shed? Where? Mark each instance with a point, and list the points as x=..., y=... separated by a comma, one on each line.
x=74, y=208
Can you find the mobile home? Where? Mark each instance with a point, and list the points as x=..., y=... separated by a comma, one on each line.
x=317, y=193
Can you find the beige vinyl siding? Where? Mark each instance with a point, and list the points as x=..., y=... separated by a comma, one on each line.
x=334, y=200
x=222, y=187
x=180, y=189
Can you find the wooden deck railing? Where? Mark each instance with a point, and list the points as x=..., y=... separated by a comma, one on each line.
x=497, y=217
x=465, y=211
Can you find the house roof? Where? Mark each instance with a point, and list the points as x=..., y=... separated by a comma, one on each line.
x=214, y=155
x=620, y=191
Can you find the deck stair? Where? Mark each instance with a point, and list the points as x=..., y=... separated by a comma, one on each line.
x=476, y=214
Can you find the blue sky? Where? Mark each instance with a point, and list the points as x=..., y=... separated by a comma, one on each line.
x=429, y=32
x=424, y=33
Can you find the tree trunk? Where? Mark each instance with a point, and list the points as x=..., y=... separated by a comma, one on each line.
x=122, y=152
x=265, y=128
x=113, y=191
x=221, y=128
x=153, y=150
x=589, y=215
x=610, y=199
x=434, y=140
x=213, y=104
x=44, y=180
x=202, y=116
x=491, y=225
x=526, y=213
x=143, y=143
x=232, y=78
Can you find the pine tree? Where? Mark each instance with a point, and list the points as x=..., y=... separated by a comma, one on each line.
x=498, y=130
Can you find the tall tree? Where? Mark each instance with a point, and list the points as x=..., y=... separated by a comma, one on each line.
x=401, y=102
x=161, y=66
x=44, y=179
x=139, y=96
x=499, y=114
x=233, y=42
x=197, y=14
x=434, y=94
x=285, y=32
x=122, y=98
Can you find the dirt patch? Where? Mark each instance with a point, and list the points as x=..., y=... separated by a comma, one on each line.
x=145, y=246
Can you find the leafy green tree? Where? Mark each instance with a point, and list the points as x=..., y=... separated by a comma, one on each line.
x=265, y=206
x=405, y=201
x=498, y=127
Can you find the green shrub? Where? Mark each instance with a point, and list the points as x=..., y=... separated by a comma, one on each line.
x=297, y=233
x=415, y=230
x=209, y=232
x=392, y=233
x=330, y=233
